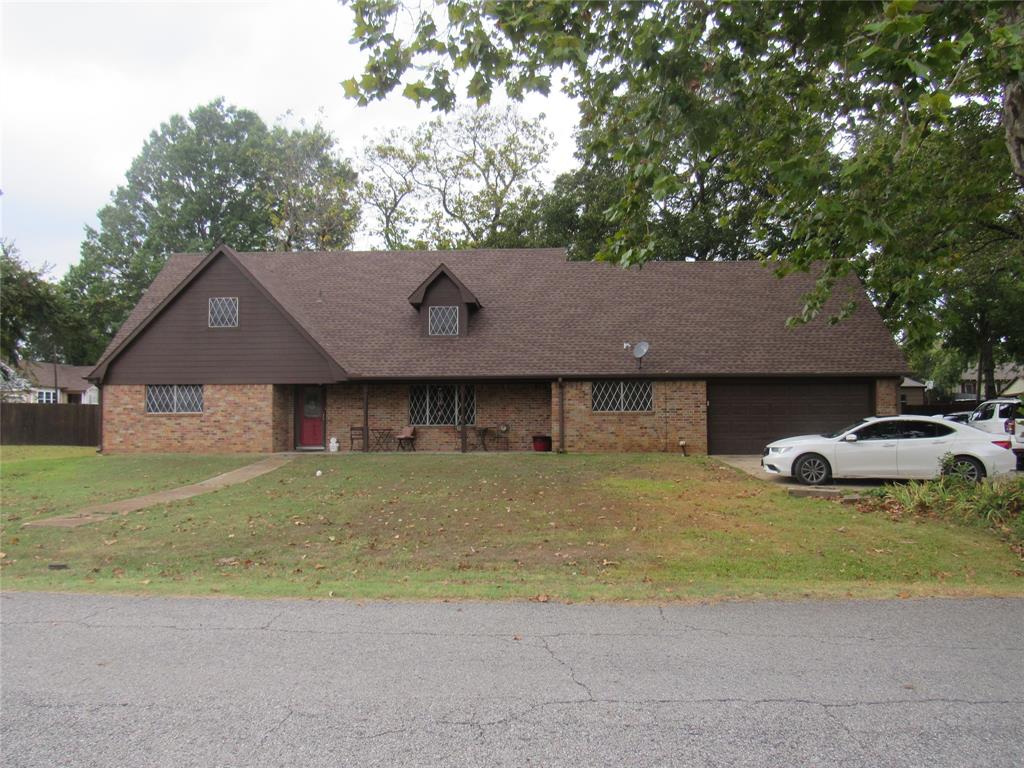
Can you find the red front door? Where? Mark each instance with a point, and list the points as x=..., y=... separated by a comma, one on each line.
x=310, y=403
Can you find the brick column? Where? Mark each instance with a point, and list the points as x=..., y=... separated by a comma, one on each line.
x=887, y=397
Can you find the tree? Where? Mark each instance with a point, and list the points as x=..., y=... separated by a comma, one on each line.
x=770, y=94
x=388, y=188
x=312, y=191
x=951, y=263
x=30, y=303
x=455, y=182
x=218, y=175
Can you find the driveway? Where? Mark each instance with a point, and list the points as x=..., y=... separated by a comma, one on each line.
x=751, y=464
x=103, y=681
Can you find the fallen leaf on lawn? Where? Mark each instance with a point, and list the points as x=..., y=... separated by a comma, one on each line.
x=319, y=567
x=226, y=561
x=145, y=581
x=541, y=598
x=108, y=542
x=903, y=595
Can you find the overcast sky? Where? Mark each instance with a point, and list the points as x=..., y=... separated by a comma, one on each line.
x=82, y=85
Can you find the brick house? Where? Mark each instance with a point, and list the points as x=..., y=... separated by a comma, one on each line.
x=281, y=351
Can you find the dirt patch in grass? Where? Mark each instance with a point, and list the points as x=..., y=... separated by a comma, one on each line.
x=513, y=525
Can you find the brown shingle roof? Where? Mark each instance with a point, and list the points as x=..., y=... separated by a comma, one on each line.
x=544, y=316
x=69, y=377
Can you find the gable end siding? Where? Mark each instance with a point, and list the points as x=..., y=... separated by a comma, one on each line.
x=179, y=347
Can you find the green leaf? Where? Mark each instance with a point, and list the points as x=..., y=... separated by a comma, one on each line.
x=351, y=88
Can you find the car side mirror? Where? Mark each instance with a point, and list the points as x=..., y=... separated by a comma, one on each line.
x=851, y=438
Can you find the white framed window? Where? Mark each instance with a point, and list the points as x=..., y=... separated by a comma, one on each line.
x=443, y=321
x=623, y=395
x=174, y=398
x=223, y=312
x=46, y=396
x=438, y=405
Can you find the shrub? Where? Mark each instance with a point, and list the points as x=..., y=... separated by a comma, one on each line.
x=1000, y=505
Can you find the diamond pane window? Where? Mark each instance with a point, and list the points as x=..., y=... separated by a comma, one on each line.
x=188, y=398
x=443, y=402
x=469, y=407
x=224, y=312
x=637, y=396
x=606, y=396
x=627, y=395
x=444, y=321
x=438, y=405
x=419, y=411
x=174, y=398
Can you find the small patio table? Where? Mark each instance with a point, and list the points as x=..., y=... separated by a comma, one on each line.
x=380, y=439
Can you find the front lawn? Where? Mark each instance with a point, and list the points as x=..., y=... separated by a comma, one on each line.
x=574, y=527
x=40, y=481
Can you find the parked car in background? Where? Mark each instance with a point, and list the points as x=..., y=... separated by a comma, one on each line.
x=960, y=417
x=897, y=447
x=1002, y=416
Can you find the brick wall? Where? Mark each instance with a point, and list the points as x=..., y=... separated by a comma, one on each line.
x=283, y=417
x=680, y=413
x=236, y=418
x=887, y=397
x=524, y=406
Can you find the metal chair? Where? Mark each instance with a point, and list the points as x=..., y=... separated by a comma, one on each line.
x=406, y=438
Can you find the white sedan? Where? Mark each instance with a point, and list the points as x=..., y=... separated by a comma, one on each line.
x=898, y=447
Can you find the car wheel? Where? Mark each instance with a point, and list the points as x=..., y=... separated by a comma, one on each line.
x=812, y=469
x=967, y=468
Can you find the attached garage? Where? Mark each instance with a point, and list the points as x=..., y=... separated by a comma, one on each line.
x=744, y=415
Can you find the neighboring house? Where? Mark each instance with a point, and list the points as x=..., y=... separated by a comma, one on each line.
x=1015, y=387
x=71, y=385
x=1005, y=376
x=911, y=392
x=14, y=387
x=276, y=351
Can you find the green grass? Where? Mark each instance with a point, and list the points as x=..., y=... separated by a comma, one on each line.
x=574, y=527
x=38, y=481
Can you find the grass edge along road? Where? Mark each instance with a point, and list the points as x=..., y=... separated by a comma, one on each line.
x=527, y=526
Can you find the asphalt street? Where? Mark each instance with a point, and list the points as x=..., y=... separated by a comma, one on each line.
x=132, y=681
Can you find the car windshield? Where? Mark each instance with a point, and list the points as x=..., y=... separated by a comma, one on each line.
x=838, y=432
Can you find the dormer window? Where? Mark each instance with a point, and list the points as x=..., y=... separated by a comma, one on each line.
x=444, y=321
x=445, y=304
x=224, y=312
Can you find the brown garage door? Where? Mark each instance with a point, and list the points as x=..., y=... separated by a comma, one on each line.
x=746, y=415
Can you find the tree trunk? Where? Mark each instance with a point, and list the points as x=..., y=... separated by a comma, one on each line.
x=1013, y=122
x=987, y=368
x=978, y=374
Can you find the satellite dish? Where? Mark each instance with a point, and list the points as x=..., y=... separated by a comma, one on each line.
x=640, y=349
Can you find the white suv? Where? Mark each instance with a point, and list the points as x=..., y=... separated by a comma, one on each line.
x=1002, y=416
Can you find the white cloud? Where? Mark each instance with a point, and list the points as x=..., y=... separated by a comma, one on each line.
x=83, y=84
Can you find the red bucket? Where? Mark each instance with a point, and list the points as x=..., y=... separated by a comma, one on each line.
x=542, y=442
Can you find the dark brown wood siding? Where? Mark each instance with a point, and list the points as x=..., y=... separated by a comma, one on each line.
x=744, y=415
x=443, y=292
x=178, y=347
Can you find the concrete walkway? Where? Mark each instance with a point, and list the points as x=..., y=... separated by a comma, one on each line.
x=752, y=466
x=99, y=512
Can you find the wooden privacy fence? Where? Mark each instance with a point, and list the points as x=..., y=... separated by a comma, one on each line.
x=31, y=424
x=940, y=406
